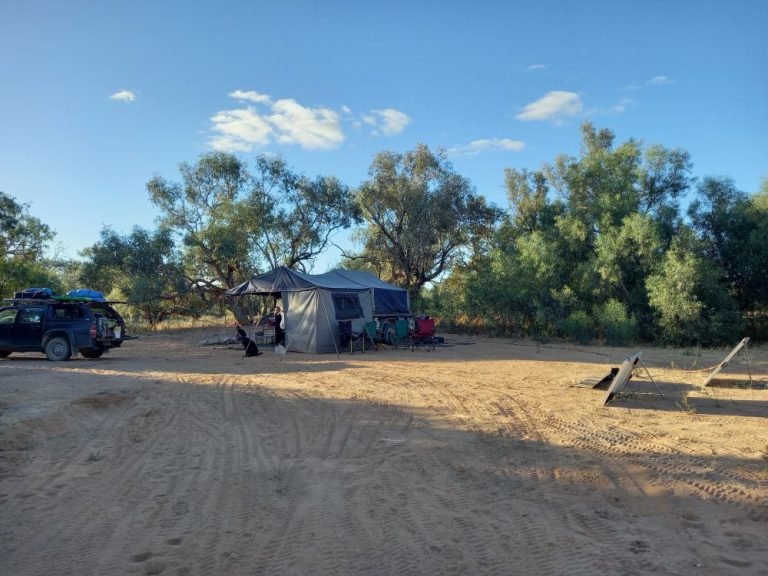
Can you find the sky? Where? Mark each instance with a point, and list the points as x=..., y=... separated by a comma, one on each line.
x=97, y=97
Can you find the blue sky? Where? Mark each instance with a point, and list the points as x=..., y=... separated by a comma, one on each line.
x=97, y=97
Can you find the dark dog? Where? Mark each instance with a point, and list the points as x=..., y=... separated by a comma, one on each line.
x=249, y=346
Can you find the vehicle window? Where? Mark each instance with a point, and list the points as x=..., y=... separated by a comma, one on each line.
x=111, y=313
x=105, y=311
x=8, y=315
x=67, y=312
x=31, y=316
x=347, y=306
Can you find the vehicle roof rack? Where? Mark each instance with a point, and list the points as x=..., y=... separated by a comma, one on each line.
x=61, y=300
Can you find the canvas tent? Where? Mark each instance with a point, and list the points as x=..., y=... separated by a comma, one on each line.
x=313, y=304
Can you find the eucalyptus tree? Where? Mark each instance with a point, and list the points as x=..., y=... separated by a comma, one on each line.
x=23, y=241
x=580, y=237
x=233, y=223
x=621, y=213
x=690, y=297
x=141, y=267
x=733, y=227
x=419, y=215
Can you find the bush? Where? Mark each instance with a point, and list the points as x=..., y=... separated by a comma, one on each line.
x=578, y=327
x=616, y=327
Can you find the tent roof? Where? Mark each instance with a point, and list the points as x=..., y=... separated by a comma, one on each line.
x=388, y=300
x=286, y=280
x=365, y=279
x=273, y=282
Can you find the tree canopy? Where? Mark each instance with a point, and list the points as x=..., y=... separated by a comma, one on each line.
x=590, y=247
x=419, y=214
x=595, y=247
x=23, y=241
x=141, y=267
x=233, y=223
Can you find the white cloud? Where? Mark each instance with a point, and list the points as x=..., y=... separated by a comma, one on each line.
x=392, y=121
x=286, y=121
x=538, y=66
x=485, y=145
x=251, y=96
x=263, y=121
x=386, y=121
x=619, y=108
x=659, y=81
x=124, y=96
x=552, y=106
x=239, y=130
x=310, y=128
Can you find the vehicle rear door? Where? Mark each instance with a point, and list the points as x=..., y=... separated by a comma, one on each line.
x=29, y=327
x=7, y=327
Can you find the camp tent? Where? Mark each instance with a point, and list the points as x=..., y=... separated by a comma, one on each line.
x=388, y=300
x=313, y=304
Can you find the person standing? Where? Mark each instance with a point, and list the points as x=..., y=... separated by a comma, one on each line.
x=279, y=327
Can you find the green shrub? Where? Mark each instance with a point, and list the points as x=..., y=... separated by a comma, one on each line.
x=616, y=327
x=578, y=327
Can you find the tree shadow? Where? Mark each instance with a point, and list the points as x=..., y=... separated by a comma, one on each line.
x=242, y=479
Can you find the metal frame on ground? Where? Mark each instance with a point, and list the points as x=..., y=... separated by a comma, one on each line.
x=726, y=361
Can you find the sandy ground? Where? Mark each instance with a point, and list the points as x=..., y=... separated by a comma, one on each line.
x=482, y=457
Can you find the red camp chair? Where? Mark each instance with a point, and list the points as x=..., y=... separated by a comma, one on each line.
x=424, y=334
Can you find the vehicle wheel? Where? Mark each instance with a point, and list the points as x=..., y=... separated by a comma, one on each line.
x=388, y=333
x=91, y=352
x=4, y=354
x=57, y=349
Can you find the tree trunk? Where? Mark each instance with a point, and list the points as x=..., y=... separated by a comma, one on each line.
x=241, y=313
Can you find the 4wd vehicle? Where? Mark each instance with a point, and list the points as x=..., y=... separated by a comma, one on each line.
x=59, y=328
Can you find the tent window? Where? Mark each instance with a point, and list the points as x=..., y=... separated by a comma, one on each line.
x=347, y=306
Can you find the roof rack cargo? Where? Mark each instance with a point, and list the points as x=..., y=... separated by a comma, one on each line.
x=61, y=299
x=35, y=293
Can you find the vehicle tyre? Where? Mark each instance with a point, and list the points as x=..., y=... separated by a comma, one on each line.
x=388, y=333
x=57, y=349
x=4, y=354
x=91, y=352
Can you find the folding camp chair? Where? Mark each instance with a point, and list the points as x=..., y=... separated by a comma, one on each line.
x=401, y=336
x=424, y=335
x=347, y=337
x=372, y=333
x=264, y=332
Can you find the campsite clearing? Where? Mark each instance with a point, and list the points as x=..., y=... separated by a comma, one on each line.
x=482, y=457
